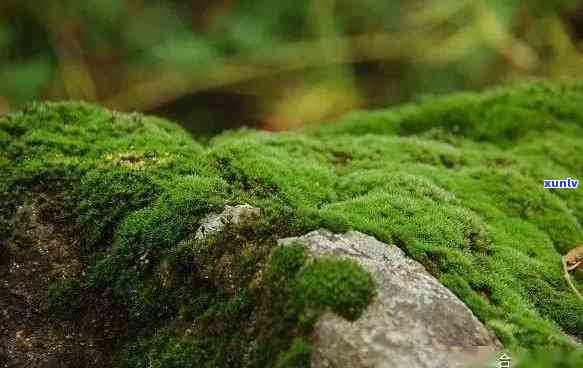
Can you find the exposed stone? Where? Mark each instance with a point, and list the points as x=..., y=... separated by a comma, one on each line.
x=216, y=222
x=415, y=321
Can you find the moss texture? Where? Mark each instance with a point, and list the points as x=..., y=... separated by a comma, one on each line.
x=456, y=182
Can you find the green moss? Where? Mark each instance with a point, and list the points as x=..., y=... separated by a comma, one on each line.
x=64, y=298
x=101, y=207
x=298, y=355
x=550, y=358
x=339, y=285
x=285, y=263
x=456, y=182
x=165, y=351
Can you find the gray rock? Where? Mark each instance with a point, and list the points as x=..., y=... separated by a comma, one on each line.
x=216, y=222
x=414, y=321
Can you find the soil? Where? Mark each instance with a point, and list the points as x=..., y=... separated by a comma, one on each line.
x=29, y=336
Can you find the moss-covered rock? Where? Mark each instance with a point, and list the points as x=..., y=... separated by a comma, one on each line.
x=412, y=321
x=457, y=183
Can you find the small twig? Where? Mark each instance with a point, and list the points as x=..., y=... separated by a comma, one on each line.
x=571, y=268
x=568, y=278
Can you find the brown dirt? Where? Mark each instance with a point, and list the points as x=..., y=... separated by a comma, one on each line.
x=29, y=336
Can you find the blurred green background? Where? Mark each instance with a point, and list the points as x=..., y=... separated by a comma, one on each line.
x=217, y=64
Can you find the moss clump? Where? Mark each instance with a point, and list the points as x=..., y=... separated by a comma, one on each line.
x=285, y=263
x=456, y=182
x=338, y=285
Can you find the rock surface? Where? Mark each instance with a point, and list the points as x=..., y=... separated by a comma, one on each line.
x=414, y=321
x=215, y=222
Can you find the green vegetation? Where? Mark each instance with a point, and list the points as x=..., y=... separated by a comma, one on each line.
x=457, y=183
x=545, y=359
x=339, y=285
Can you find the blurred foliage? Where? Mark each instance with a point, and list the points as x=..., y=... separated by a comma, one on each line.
x=276, y=65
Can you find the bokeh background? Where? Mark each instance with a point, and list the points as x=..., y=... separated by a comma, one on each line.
x=218, y=64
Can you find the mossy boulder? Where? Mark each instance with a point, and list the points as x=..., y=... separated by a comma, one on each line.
x=413, y=320
x=456, y=183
